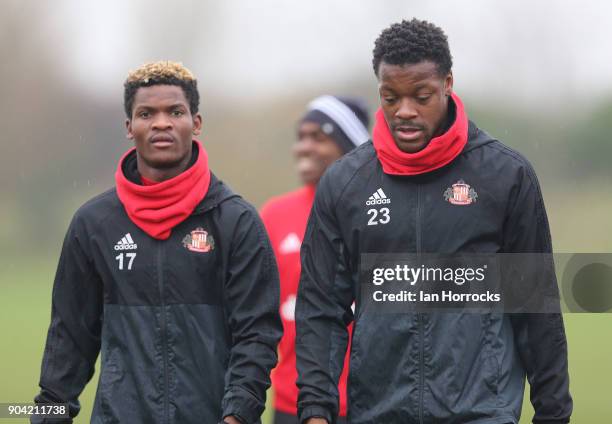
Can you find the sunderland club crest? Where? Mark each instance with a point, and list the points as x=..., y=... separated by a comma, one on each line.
x=199, y=241
x=460, y=193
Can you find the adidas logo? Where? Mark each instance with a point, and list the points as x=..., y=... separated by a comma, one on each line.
x=126, y=243
x=378, y=198
x=287, y=309
x=290, y=244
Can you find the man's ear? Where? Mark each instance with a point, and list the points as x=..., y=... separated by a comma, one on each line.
x=448, y=84
x=128, y=127
x=197, y=124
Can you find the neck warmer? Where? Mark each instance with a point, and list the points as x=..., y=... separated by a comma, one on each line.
x=439, y=151
x=147, y=182
x=158, y=208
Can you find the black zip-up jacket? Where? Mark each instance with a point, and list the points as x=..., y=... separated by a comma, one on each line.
x=187, y=327
x=427, y=367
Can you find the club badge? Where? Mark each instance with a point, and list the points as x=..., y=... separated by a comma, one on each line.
x=461, y=194
x=199, y=241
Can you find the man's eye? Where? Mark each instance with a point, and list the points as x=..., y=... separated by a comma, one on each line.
x=423, y=98
x=143, y=114
x=389, y=100
x=178, y=113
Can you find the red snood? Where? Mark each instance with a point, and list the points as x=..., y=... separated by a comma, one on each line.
x=157, y=209
x=439, y=152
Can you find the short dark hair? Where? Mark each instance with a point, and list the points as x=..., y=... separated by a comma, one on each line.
x=410, y=42
x=161, y=73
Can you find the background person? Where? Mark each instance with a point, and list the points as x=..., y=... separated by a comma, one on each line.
x=330, y=127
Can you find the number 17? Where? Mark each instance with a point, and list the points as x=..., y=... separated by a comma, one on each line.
x=130, y=255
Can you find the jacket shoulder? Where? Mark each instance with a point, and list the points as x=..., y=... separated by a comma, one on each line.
x=342, y=172
x=90, y=218
x=510, y=154
x=236, y=218
x=512, y=168
x=100, y=207
x=356, y=158
x=480, y=140
x=233, y=208
x=512, y=159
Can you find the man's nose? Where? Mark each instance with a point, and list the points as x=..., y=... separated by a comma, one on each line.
x=303, y=146
x=162, y=122
x=406, y=110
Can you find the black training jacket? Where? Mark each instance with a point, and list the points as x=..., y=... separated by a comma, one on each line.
x=187, y=327
x=450, y=368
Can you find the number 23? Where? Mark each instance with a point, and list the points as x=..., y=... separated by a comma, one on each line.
x=383, y=219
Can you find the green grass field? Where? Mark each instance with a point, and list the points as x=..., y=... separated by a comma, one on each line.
x=25, y=291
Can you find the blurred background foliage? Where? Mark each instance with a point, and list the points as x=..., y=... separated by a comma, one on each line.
x=538, y=81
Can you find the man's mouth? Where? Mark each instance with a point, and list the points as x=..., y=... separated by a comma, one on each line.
x=407, y=133
x=307, y=164
x=162, y=140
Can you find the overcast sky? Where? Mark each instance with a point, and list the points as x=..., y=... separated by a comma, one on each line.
x=265, y=48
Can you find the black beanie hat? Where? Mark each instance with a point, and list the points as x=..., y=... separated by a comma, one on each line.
x=344, y=119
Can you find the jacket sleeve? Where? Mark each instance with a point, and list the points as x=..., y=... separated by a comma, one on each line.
x=252, y=304
x=73, y=339
x=540, y=337
x=323, y=310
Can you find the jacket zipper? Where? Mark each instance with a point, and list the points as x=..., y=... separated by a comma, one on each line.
x=420, y=316
x=160, y=279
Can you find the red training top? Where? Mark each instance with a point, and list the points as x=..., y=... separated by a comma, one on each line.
x=285, y=218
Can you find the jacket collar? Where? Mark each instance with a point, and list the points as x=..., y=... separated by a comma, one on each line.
x=218, y=192
x=476, y=137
